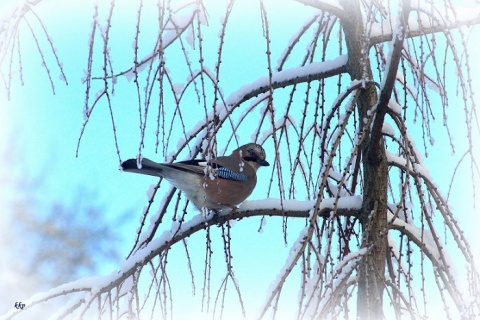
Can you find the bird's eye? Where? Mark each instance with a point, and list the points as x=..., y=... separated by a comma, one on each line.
x=252, y=156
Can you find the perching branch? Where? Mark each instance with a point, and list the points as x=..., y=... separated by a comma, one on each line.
x=143, y=255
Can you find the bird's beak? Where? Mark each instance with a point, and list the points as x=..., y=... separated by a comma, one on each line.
x=263, y=163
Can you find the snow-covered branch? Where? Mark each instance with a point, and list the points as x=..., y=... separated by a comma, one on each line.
x=94, y=287
x=341, y=280
x=180, y=26
x=419, y=172
x=383, y=31
x=424, y=240
x=288, y=77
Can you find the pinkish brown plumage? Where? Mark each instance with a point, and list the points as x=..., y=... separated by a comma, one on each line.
x=221, y=183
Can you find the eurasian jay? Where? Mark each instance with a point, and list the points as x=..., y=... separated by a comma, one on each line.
x=223, y=182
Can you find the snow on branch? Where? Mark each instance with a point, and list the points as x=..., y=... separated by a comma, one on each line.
x=429, y=22
x=428, y=240
x=94, y=287
x=13, y=15
x=338, y=283
x=418, y=171
x=425, y=240
x=287, y=77
x=180, y=24
x=10, y=15
x=348, y=204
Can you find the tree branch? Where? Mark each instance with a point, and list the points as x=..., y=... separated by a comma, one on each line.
x=388, y=84
x=159, y=245
x=288, y=77
x=441, y=26
x=438, y=265
x=168, y=39
x=325, y=7
x=441, y=206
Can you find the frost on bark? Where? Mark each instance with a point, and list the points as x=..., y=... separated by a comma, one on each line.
x=345, y=110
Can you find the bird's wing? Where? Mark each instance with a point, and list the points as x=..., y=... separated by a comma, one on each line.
x=231, y=171
x=198, y=167
x=190, y=166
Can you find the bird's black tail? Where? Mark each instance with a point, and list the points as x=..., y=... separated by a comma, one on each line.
x=148, y=167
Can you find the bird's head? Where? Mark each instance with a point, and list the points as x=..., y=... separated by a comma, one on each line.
x=252, y=154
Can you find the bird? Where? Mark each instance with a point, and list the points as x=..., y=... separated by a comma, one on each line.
x=223, y=182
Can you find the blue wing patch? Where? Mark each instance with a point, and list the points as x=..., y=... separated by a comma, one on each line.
x=228, y=174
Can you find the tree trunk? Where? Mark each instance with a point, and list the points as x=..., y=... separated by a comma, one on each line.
x=371, y=281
